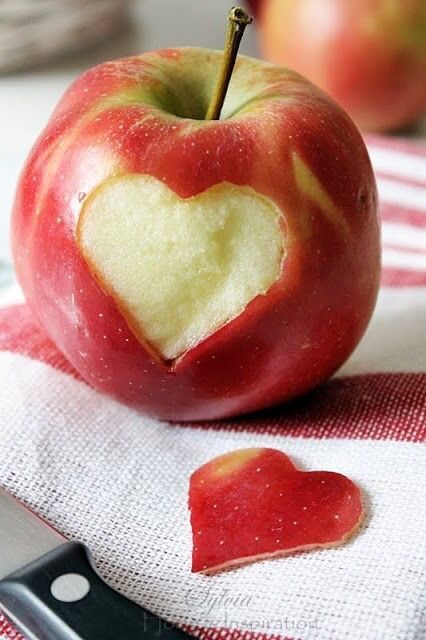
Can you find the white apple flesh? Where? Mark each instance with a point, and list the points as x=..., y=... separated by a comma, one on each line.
x=180, y=268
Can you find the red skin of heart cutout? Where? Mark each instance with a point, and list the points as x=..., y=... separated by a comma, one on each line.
x=252, y=504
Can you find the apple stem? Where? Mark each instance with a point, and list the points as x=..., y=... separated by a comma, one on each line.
x=238, y=19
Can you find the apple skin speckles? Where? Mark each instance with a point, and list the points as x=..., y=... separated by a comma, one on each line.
x=242, y=522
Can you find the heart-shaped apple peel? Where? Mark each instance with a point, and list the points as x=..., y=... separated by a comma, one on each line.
x=253, y=504
x=179, y=269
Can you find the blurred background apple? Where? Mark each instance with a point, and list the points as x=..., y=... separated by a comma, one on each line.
x=370, y=55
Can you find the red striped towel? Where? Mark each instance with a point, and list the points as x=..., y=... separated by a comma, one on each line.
x=104, y=474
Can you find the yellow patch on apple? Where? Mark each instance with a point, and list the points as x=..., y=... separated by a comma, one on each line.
x=308, y=183
x=180, y=268
x=230, y=463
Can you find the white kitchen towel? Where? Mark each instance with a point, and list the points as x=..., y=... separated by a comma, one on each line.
x=105, y=474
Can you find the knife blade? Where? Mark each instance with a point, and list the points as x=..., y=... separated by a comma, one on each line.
x=24, y=536
x=50, y=589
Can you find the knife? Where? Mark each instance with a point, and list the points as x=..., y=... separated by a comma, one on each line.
x=50, y=589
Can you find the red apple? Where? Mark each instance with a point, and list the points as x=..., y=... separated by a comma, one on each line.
x=195, y=268
x=370, y=55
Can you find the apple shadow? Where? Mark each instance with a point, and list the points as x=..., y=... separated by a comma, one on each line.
x=376, y=405
x=354, y=404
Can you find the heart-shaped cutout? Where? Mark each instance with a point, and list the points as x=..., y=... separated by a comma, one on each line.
x=252, y=504
x=180, y=268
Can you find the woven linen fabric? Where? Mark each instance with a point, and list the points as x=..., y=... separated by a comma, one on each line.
x=107, y=475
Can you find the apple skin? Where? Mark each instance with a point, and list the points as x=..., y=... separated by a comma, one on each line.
x=370, y=55
x=252, y=504
x=255, y=6
x=285, y=342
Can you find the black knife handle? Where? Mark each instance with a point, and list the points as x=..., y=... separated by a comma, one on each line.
x=101, y=614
